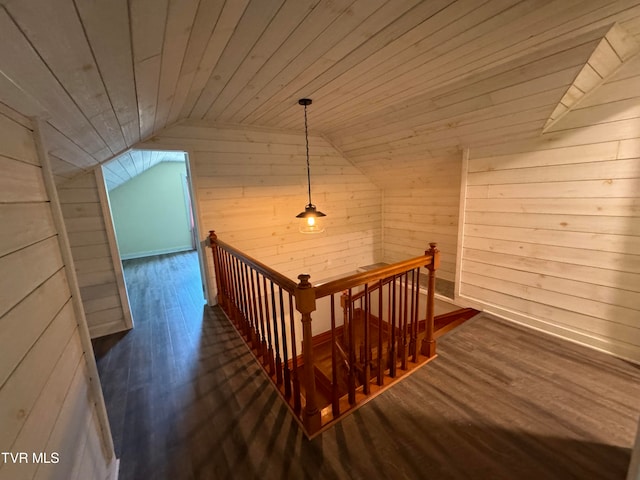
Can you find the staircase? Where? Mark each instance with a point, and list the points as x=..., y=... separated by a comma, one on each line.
x=378, y=340
x=322, y=346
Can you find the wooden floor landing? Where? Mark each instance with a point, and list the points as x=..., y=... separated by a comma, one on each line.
x=186, y=400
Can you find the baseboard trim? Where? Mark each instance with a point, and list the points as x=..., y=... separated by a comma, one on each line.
x=165, y=251
x=439, y=296
x=115, y=469
x=607, y=346
x=108, y=328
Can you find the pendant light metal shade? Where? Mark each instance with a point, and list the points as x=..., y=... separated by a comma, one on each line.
x=310, y=223
x=310, y=211
x=310, y=216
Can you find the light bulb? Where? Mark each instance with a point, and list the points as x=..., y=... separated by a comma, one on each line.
x=311, y=221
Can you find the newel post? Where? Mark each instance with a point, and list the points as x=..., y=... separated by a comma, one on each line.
x=216, y=267
x=428, y=343
x=305, y=304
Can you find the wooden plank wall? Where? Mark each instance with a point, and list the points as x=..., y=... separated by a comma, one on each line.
x=93, y=259
x=251, y=183
x=416, y=215
x=552, y=225
x=46, y=404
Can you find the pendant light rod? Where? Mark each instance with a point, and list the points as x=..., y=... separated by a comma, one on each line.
x=310, y=215
x=305, y=102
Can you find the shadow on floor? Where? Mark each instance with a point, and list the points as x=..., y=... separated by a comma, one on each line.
x=218, y=416
x=186, y=400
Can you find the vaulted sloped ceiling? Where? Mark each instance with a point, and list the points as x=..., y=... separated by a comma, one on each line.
x=611, y=54
x=395, y=83
x=129, y=165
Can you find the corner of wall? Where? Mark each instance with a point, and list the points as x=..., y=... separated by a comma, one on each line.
x=94, y=380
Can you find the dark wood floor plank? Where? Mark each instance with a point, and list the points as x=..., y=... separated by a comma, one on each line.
x=187, y=401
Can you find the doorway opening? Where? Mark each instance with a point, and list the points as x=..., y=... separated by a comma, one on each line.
x=152, y=207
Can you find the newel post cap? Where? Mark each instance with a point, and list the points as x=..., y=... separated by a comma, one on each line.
x=211, y=238
x=304, y=280
x=305, y=294
x=435, y=254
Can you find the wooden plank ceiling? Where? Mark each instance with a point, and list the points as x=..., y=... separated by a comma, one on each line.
x=131, y=164
x=394, y=82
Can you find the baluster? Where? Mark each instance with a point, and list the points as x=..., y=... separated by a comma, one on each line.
x=352, y=352
x=243, y=300
x=415, y=318
x=285, y=348
x=367, y=352
x=261, y=300
x=249, y=315
x=256, y=299
x=238, y=285
x=360, y=352
x=226, y=283
x=272, y=367
x=216, y=265
x=381, y=367
x=249, y=308
x=247, y=305
x=305, y=304
x=232, y=287
x=255, y=342
x=399, y=321
x=345, y=317
x=295, y=380
x=428, y=343
x=275, y=336
x=335, y=396
x=389, y=302
x=405, y=321
x=392, y=341
x=219, y=271
x=256, y=319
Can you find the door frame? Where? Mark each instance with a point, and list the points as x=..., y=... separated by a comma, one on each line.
x=200, y=243
x=105, y=206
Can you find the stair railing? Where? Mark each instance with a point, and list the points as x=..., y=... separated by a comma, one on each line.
x=258, y=300
x=387, y=298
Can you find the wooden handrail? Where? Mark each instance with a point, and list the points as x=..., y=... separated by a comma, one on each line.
x=343, y=354
x=360, y=278
x=252, y=295
x=279, y=279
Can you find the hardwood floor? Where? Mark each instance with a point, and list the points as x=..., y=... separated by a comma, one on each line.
x=186, y=400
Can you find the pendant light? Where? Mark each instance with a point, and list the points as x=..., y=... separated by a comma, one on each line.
x=310, y=218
